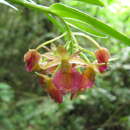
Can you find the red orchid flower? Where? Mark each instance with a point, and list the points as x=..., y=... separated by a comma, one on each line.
x=58, y=71
x=102, y=56
x=31, y=58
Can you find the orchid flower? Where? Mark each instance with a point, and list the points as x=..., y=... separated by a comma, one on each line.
x=62, y=72
x=31, y=58
x=102, y=56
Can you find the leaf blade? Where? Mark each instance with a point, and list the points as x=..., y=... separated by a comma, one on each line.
x=93, y=2
x=66, y=11
x=84, y=27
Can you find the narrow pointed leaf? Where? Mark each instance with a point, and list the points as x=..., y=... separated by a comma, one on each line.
x=66, y=11
x=82, y=26
x=94, y=2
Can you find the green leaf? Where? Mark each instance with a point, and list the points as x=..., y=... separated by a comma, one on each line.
x=82, y=26
x=66, y=11
x=94, y=2
x=6, y=3
x=57, y=23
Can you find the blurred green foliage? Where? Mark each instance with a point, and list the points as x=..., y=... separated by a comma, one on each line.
x=23, y=103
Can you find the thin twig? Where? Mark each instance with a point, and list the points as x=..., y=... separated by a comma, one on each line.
x=50, y=41
x=87, y=37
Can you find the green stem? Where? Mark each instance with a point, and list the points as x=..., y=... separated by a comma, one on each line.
x=67, y=27
x=89, y=38
x=70, y=36
x=85, y=58
x=82, y=54
x=86, y=51
x=50, y=41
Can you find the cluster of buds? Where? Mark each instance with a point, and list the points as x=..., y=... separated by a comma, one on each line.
x=61, y=72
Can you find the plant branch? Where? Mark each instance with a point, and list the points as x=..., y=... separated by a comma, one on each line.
x=50, y=41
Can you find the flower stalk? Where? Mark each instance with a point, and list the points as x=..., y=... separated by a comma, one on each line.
x=50, y=41
x=89, y=38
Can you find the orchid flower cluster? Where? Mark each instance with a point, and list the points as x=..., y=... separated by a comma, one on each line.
x=61, y=72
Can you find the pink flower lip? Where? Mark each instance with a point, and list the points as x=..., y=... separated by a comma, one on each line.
x=103, y=68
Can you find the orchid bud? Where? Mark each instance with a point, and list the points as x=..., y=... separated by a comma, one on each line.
x=102, y=56
x=31, y=58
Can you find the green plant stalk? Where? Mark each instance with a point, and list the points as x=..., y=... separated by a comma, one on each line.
x=86, y=51
x=50, y=41
x=85, y=58
x=82, y=54
x=89, y=38
x=70, y=35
